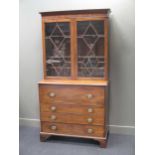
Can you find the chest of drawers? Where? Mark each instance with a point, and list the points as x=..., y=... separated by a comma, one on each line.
x=73, y=110
x=74, y=92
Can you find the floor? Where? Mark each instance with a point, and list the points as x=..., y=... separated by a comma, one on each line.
x=30, y=145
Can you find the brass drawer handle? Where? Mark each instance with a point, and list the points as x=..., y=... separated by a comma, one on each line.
x=90, y=130
x=52, y=94
x=53, y=117
x=89, y=96
x=53, y=127
x=90, y=110
x=53, y=108
x=89, y=120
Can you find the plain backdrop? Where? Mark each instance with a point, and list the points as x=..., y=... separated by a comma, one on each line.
x=121, y=51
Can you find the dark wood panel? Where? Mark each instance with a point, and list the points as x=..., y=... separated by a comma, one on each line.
x=72, y=118
x=71, y=108
x=71, y=94
x=72, y=129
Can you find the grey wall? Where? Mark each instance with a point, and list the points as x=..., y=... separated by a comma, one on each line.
x=121, y=55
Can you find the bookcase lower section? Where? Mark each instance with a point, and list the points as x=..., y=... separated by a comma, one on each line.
x=73, y=111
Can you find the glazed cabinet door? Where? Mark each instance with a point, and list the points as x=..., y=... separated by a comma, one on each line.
x=75, y=49
x=57, y=49
x=90, y=44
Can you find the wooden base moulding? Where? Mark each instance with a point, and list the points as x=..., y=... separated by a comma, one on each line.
x=102, y=141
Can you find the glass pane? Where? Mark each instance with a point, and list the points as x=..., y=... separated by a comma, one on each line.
x=91, y=48
x=57, y=42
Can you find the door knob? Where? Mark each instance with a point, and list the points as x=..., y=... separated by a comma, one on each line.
x=90, y=110
x=89, y=120
x=90, y=130
x=89, y=96
x=53, y=127
x=53, y=117
x=52, y=94
x=53, y=108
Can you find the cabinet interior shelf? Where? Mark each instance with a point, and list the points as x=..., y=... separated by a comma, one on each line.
x=96, y=68
x=99, y=36
x=89, y=56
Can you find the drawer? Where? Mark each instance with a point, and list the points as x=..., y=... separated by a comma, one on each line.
x=72, y=129
x=84, y=95
x=71, y=108
x=74, y=119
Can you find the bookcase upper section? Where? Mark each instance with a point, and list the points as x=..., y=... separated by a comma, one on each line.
x=75, y=44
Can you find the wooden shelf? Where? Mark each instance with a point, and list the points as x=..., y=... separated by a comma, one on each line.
x=54, y=57
x=65, y=36
x=98, y=35
x=93, y=68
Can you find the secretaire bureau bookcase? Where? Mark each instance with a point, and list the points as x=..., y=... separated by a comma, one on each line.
x=74, y=91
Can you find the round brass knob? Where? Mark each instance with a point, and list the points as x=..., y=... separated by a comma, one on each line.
x=53, y=127
x=90, y=130
x=53, y=117
x=53, y=108
x=89, y=96
x=89, y=120
x=90, y=110
x=52, y=94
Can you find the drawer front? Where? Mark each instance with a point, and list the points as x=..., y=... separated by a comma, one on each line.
x=71, y=118
x=71, y=108
x=84, y=95
x=72, y=129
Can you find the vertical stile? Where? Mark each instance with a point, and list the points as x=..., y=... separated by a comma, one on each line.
x=74, y=62
x=44, y=50
x=106, y=29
